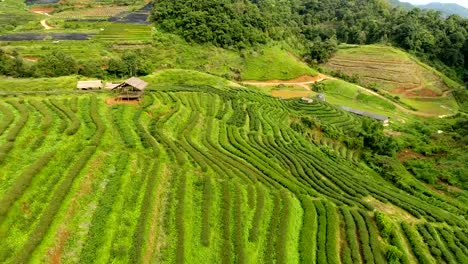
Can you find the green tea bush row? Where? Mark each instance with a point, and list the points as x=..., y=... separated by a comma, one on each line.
x=226, y=224
x=270, y=253
x=238, y=118
x=100, y=127
x=321, y=232
x=22, y=183
x=416, y=244
x=46, y=114
x=332, y=233
x=24, y=115
x=350, y=230
x=75, y=121
x=121, y=125
x=147, y=206
x=74, y=104
x=223, y=110
x=146, y=139
x=180, y=220
x=206, y=211
x=98, y=225
x=239, y=244
x=450, y=242
x=254, y=122
x=4, y=150
x=64, y=120
x=374, y=238
x=308, y=237
x=7, y=118
x=363, y=236
x=285, y=221
x=258, y=215
x=37, y=235
x=433, y=244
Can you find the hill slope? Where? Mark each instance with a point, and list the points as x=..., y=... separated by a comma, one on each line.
x=398, y=73
x=447, y=9
x=203, y=174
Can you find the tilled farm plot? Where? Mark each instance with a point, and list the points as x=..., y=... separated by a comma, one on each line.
x=389, y=69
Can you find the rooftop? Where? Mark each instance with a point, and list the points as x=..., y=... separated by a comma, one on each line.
x=89, y=84
x=364, y=113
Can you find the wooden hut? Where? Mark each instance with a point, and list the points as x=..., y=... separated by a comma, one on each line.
x=89, y=85
x=131, y=89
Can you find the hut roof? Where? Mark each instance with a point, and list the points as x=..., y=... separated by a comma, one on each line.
x=111, y=86
x=136, y=83
x=89, y=84
x=363, y=113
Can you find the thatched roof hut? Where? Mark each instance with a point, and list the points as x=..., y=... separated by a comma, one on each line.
x=131, y=89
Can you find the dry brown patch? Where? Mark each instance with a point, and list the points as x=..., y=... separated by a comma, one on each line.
x=289, y=94
x=408, y=154
x=113, y=101
x=42, y=10
x=423, y=93
x=31, y=58
x=392, y=210
x=392, y=133
x=156, y=229
x=55, y=253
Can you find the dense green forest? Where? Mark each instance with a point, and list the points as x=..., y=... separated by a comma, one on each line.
x=318, y=26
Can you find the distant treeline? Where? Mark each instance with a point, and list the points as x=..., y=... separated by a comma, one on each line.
x=58, y=63
x=319, y=26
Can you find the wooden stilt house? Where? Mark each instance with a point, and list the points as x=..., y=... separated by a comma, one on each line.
x=131, y=89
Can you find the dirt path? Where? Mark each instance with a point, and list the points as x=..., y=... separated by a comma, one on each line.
x=303, y=81
x=306, y=81
x=45, y=25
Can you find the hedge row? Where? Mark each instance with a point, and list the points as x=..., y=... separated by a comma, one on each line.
x=100, y=127
x=180, y=220
x=352, y=240
x=321, y=232
x=226, y=224
x=308, y=237
x=75, y=121
x=374, y=238
x=36, y=236
x=258, y=216
x=363, y=236
x=98, y=225
x=146, y=206
x=416, y=244
x=333, y=236
x=239, y=243
x=7, y=118
x=22, y=183
x=270, y=253
x=24, y=115
x=206, y=211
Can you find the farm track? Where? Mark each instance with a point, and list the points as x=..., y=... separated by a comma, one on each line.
x=45, y=25
x=323, y=77
x=197, y=173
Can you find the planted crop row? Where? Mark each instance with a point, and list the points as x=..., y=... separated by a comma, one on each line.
x=350, y=232
x=104, y=208
x=22, y=183
x=207, y=204
x=53, y=206
x=75, y=121
x=417, y=245
x=307, y=243
x=7, y=118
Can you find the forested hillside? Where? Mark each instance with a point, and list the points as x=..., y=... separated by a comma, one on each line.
x=319, y=25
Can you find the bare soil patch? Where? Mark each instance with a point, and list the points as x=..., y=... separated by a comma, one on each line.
x=42, y=10
x=423, y=93
x=408, y=154
x=31, y=58
x=289, y=94
x=113, y=101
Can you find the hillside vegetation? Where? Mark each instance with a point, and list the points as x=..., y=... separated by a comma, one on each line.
x=203, y=174
x=397, y=73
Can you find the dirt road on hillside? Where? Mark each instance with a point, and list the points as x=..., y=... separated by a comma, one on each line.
x=45, y=25
x=303, y=81
x=306, y=81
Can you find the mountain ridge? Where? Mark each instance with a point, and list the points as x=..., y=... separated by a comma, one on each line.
x=445, y=8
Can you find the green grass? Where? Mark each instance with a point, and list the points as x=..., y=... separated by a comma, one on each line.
x=39, y=84
x=128, y=184
x=274, y=63
x=186, y=77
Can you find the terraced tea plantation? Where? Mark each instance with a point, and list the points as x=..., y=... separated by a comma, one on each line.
x=204, y=175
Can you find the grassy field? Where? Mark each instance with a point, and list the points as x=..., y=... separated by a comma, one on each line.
x=197, y=173
x=398, y=73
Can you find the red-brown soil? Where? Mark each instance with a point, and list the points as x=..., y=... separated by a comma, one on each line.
x=408, y=154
